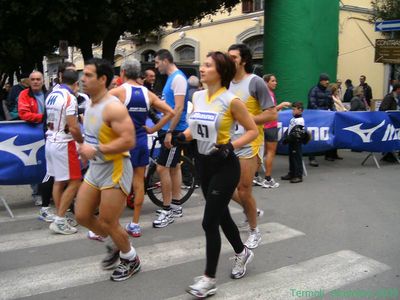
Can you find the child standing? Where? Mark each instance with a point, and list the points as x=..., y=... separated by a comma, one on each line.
x=294, y=137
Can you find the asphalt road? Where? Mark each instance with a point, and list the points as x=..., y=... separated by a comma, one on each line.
x=334, y=236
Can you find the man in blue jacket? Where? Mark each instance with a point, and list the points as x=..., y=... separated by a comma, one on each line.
x=320, y=97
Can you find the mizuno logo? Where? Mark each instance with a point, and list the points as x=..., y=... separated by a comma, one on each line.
x=215, y=192
x=364, y=134
x=52, y=100
x=26, y=153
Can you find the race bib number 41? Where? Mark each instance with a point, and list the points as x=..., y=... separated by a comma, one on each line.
x=203, y=126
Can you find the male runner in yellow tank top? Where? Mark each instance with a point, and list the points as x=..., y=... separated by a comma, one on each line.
x=252, y=90
x=109, y=135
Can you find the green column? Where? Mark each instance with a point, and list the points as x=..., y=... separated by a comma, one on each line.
x=300, y=42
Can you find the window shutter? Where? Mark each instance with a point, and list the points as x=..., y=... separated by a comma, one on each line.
x=247, y=6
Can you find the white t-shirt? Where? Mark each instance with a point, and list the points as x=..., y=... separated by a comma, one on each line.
x=60, y=103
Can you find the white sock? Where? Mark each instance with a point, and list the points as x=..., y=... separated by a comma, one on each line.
x=255, y=229
x=59, y=220
x=130, y=255
x=242, y=253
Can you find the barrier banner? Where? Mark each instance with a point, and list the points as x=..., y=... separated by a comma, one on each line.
x=318, y=122
x=367, y=131
x=22, y=157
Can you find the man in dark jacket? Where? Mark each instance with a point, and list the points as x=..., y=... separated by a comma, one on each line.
x=12, y=99
x=320, y=97
x=348, y=95
x=367, y=89
x=391, y=100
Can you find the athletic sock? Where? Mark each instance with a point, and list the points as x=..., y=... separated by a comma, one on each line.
x=176, y=202
x=242, y=253
x=268, y=178
x=255, y=229
x=59, y=220
x=166, y=207
x=256, y=174
x=129, y=255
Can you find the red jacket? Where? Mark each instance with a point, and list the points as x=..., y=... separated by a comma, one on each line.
x=28, y=107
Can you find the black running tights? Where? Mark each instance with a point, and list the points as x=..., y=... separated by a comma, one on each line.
x=219, y=178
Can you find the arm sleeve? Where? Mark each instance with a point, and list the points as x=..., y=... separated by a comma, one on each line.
x=385, y=105
x=312, y=99
x=71, y=108
x=354, y=104
x=12, y=98
x=179, y=85
x=258, y=89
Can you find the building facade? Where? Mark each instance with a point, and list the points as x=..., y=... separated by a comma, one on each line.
x=245, y=24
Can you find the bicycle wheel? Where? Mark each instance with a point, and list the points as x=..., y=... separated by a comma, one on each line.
x=153, y=183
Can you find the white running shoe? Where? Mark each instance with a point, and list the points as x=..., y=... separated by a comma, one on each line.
x=63, y=228
x=92, y=236
x=240, y=263
x=177, y=211
x=258, y=181
x=271, y=184
x=254, y=239
x=202, y=287
x=46, y=215
x=165, y=218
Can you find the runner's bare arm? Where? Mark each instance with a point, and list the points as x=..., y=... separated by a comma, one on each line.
x=243, y=117
x=270, y=114
x=162, y=106
x=117, y=117
x=74, y=128
x=179, y=106
x=118, y=92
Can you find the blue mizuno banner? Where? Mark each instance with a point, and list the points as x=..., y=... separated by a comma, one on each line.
x=361, y=131
x=22, y=157
x=367, y=131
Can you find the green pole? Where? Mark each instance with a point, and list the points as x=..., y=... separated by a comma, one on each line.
x=300, y=42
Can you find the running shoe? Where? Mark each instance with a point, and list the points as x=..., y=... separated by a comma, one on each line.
x=258, y=181
x=46, y=215
x=111, y=259
x=63, y=228
x=165, y=218
x=133, y=229
x=70, y=217
x=126, y=269
x=202, y=287
x=270, y=184
x=92, y=236
x=254, y=239
x=240, y=263
x=177, y=211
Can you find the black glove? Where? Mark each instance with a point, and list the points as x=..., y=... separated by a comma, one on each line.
x=178, y=139
x=223, y=150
